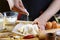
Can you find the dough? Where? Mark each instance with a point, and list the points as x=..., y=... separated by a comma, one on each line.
x=27, y=29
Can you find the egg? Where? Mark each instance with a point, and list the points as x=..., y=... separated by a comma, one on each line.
x=48, y=25
x=54, y=24
x=58, y=25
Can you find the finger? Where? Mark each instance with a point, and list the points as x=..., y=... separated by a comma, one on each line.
x=27, y=13
x=34, y=22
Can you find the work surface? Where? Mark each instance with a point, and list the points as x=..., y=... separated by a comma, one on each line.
x=6, y=35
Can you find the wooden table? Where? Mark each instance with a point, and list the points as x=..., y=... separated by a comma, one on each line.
x=42, y=34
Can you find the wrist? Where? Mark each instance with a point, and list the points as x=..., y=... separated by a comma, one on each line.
x=42, y=21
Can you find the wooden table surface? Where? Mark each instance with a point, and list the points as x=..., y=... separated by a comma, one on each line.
x=41, y=33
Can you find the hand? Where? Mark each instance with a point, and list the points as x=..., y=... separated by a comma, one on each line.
x=39, y=23
x=19, y=11
x=19, y=7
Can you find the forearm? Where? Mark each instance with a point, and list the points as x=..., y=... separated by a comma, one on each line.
x=53, y=9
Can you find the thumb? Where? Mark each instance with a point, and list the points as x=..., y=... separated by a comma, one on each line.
x=35, y=22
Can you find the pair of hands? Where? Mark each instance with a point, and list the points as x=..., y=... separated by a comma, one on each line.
x=19, y=7
x=36, y=21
